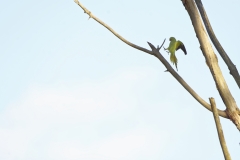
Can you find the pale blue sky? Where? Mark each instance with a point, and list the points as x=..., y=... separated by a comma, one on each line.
x=71, y=90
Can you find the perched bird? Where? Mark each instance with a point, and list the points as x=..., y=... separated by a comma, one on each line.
x=174, y=46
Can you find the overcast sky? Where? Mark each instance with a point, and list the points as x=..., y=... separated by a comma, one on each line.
x=70, y=90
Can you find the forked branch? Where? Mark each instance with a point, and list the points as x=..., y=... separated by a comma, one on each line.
x=218, y=46
x=211, y=59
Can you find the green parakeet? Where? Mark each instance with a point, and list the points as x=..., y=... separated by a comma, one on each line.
x=174, y=46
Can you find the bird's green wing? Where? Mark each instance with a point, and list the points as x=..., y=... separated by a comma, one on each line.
x=181, y=45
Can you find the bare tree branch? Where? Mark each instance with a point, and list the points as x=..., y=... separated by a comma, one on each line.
x=219, y=130
x=232, y=109
x=218, y=46
x=155, y=52
x=110, y=29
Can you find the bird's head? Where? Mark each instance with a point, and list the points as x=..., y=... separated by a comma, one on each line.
x=172, y=39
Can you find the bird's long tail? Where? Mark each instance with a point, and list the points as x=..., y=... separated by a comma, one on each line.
x=173, y=59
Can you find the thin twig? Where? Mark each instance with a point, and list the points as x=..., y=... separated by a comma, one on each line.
x=155, y=52
x=219, y=130
x=218, y=46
